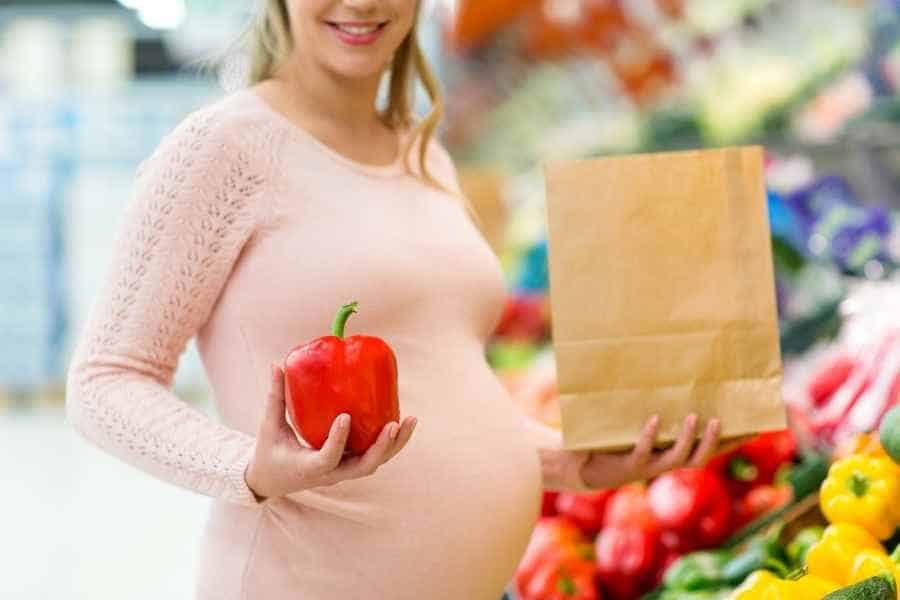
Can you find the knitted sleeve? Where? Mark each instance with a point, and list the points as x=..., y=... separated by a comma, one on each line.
x=196, y=202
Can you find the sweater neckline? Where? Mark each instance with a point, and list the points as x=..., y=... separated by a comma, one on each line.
x=393, y=169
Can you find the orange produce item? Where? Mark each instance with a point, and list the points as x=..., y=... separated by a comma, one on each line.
x=547, y=37
x=476, y=20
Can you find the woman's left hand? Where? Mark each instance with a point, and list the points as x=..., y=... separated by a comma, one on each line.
x=609, y=470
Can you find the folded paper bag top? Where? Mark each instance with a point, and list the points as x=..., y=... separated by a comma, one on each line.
x=663, y=295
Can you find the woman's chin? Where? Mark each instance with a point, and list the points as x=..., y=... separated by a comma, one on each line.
x=361, y=69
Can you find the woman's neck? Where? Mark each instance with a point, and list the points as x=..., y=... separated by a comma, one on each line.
x=323, y=97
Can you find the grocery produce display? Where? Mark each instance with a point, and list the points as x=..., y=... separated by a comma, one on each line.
x=677, y=538
x=537, y=79
x=720, y=532
x=815, y=83
x=671, y=531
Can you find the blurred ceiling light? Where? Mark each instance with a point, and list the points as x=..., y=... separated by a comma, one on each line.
x=158, y=14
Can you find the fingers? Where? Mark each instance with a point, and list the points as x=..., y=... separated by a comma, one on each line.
x=643, y=450
x=403, y=436
x=708, y=444
x=390, y=442
x=678, y=454
x=329, y=457
x=375, y=456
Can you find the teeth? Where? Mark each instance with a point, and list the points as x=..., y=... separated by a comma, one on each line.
x=358, y=30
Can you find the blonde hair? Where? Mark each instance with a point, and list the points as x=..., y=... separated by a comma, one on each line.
x=271, y=43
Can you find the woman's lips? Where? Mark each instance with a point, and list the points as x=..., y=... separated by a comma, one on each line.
x=357, y=34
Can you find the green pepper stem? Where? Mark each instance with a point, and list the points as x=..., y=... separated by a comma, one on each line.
x=777, y=567
x=565, y=585
x=742, y=469
x=340, y=321
x=858, y=483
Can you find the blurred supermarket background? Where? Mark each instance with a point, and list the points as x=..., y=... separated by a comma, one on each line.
x=88, y=88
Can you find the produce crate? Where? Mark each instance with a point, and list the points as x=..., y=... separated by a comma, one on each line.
x=792, y=519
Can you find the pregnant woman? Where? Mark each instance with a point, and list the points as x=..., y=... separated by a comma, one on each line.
x=249, y=226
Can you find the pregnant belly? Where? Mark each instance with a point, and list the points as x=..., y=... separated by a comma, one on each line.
x=449, y=517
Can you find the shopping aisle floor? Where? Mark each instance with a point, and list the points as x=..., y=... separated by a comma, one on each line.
x=77, y=524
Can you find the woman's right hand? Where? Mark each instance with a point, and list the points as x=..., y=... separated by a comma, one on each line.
x=281, y=465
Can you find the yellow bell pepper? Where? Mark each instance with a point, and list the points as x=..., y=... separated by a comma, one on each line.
x=871, y=563
x=813, y=588
x=863, y=490
x=762, y=585
x=832, y=558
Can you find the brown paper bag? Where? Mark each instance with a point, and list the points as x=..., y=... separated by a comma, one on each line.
x=662, y=295
x=484, y=190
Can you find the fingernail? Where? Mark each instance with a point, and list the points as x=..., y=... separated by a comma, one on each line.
x=414, y=423
x=393, y=431
x=345, y=420
x=692, y=419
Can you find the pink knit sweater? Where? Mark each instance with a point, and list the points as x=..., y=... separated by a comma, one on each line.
x=247, y=232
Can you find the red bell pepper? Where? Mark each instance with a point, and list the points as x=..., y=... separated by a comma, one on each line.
x=693, y=503
x=755, y=462
x=629, y=506
x=554, y=582
x=526, y=318
x=586, y=510
x=332, y=375
x=558, y=564
x=677, y=541
x=548, y=503
x=627, y=561
x=760, y=501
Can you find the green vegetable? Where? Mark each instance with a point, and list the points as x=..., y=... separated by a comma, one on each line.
x=881, y=587
x=800, y=545
x=697, y=571
x=890, y=433
x=697, y=595
x=510, y=356
x=761, y=553
x=805, y=478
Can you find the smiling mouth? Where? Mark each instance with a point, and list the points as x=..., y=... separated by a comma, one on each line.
x=357, y=29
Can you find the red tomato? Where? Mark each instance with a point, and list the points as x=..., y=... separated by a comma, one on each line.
x=586, y=510
x=629, y=506
x=627, y=559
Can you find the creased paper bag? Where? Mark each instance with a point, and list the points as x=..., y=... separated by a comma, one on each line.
x=663, y=295
x=484, y=189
